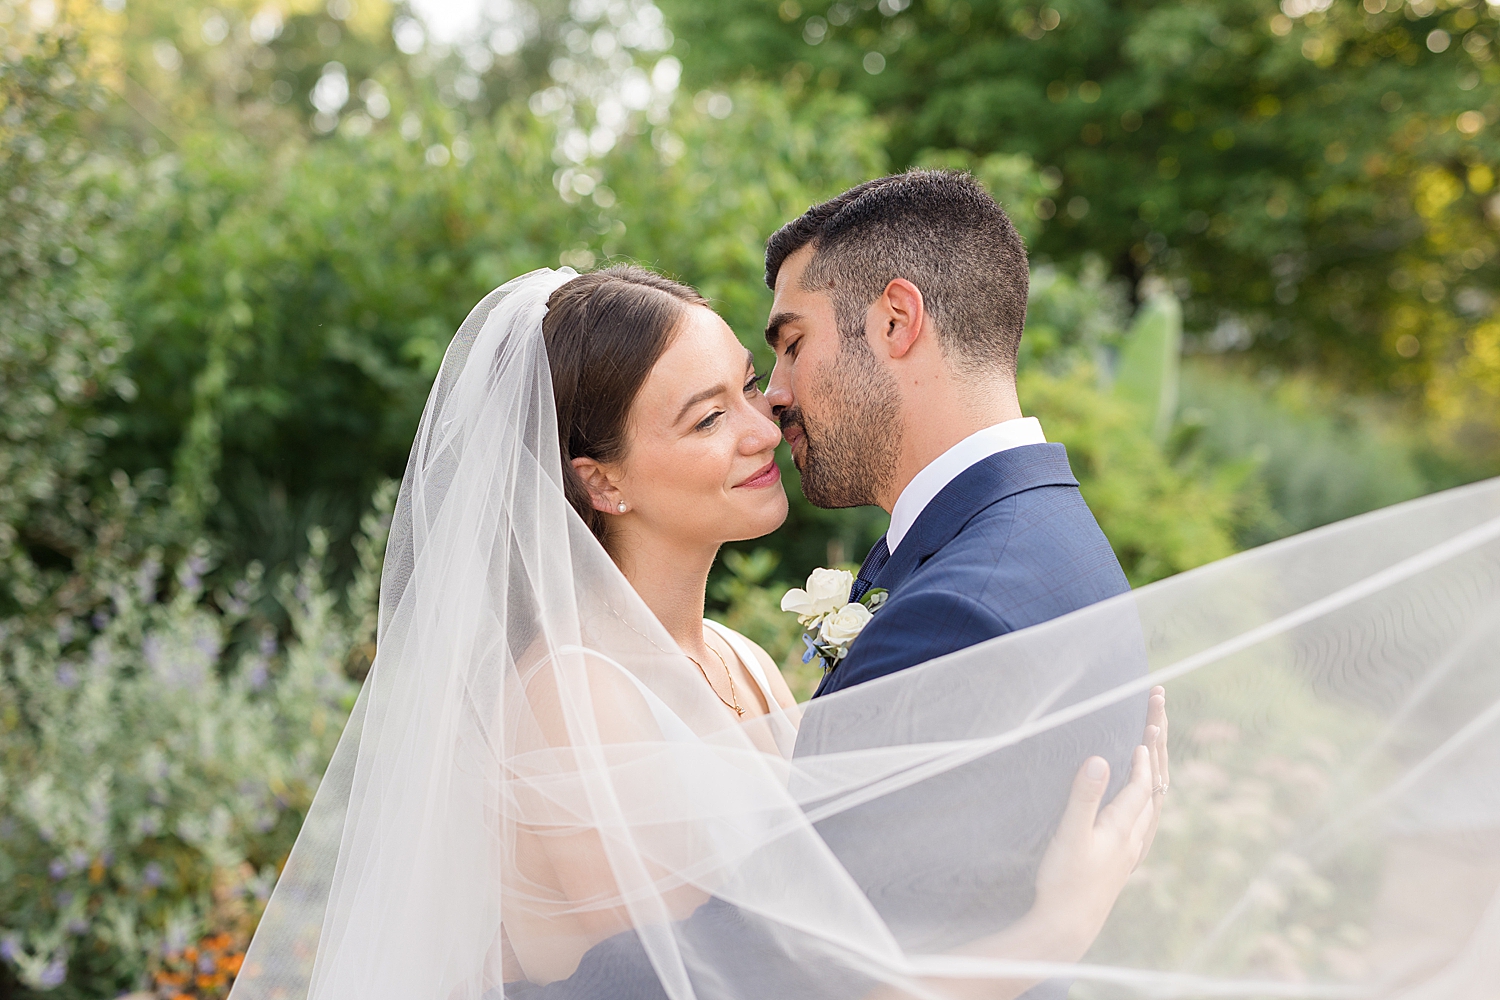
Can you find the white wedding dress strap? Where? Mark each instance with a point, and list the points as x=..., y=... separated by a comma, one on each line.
x=741, y=647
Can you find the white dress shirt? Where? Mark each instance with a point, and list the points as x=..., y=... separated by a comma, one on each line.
x=953, y=463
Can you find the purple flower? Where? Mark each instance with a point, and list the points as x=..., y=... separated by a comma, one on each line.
x=191, y=574
x=64, y=631
x=257, y=675
x=63, y=899
x=152, y=875
x=10, y=947
x=268, y=643
x=78, y=927
x=206, y=964
x=54, y=974
x=79, y=860
x=208, y=644
x=58, y=868
x=99, y=621
x=66, y=675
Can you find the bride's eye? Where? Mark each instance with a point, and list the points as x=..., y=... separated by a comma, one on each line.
x=708, y=421
x=754, y=385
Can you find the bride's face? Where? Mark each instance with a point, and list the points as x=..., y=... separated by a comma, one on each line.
x=700, y=463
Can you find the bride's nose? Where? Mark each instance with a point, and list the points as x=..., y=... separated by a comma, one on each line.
x=763, y=434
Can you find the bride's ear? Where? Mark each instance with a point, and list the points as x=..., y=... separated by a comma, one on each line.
x=602, y=491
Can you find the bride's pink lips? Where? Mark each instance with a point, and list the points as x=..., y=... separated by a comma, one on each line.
x=765, y=477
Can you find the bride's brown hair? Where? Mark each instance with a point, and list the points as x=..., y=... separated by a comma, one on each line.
x=604, y=332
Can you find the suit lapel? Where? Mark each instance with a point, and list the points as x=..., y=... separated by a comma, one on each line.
x=983, y=484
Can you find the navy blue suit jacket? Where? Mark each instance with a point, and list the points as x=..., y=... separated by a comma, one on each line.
x=1007, y=544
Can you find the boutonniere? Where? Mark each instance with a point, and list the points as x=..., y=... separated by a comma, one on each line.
x=832, y=621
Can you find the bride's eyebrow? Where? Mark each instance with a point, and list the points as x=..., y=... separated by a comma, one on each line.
x=699, y=397
x=707, y=394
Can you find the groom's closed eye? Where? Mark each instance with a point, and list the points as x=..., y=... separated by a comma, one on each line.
x=774, y=328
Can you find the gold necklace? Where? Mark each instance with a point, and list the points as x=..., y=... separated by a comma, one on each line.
x=733, y=702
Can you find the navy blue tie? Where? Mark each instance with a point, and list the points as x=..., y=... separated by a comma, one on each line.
x=873, y=564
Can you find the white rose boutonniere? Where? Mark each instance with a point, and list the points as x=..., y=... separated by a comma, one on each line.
x=827, y=591
x=832, y=621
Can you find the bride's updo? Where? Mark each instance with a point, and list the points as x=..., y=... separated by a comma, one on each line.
x=604, y=333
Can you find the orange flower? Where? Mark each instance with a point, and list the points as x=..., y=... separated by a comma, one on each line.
x=217, y=942
x=190, y=954
x=232, y=963
x=183, y=996
x=171, y=978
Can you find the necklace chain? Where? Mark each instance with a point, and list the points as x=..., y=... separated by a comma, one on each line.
x=733, y=702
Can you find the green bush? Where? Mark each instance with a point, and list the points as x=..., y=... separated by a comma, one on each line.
x=1318, y=456
x=158, y=750
x=61, y=344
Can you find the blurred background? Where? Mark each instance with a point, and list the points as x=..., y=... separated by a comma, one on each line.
x=235, y=239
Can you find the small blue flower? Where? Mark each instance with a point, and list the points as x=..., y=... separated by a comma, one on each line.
x=152, y=875
x=812, y=648
x=10, y=947
x=66, y=676
x=58, y=868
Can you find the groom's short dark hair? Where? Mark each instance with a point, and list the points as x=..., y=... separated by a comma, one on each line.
x=938, y=229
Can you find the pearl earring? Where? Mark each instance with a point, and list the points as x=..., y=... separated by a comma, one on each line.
x=622, y=508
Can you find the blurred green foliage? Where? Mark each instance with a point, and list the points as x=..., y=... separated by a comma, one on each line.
x=1316, y=180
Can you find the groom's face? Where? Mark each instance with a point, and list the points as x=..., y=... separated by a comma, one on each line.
x=838, y=405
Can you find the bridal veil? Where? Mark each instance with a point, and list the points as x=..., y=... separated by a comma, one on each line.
x=1333, y=828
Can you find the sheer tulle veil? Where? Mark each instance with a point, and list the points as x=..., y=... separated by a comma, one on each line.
x=1333, y=827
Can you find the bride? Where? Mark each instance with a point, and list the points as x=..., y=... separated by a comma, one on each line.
x=561, y=781
x=555, y=747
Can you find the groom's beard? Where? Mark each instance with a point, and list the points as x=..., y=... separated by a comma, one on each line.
x=849, y=454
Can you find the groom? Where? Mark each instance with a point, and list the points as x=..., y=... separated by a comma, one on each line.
x=898, y=311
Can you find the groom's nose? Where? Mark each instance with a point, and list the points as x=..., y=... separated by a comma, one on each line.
x=779, y=391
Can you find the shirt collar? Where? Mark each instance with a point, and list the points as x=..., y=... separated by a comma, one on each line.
x=954, y=462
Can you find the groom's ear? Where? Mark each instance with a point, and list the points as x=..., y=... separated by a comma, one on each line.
x=902, y=313
x=602, y=491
